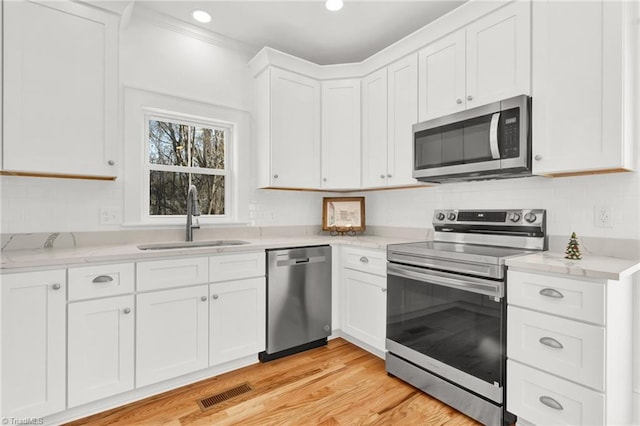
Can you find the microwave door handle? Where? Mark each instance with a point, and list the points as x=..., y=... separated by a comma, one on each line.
x=493, y=136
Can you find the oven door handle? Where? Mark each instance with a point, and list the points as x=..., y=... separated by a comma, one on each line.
x=470, y=284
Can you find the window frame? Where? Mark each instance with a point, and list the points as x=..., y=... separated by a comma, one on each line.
x=228, y=172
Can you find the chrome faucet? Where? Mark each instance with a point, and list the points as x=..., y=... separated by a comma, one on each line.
x=193, y=209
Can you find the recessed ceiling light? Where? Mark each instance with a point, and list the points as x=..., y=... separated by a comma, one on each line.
x=333, y=5
x=201, y=16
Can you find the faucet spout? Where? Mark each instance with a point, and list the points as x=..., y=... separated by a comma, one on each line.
x=193, y=209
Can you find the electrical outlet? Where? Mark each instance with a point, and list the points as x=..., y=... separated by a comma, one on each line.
x=603, y=217
x=109, y=216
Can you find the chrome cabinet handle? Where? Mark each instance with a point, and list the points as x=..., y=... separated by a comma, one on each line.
x=551, y=342
x=56, y=286
x=458, y=101
x=469, y=98
x=364, y=259
x=102, y=279
x=551, y=292
x=203, y=298
x=215, y=297
x=126, y=311
x=275, y=176
x=381, y=176
x=389, y=175
x=384, y=290
x=551, y=403
x=538, y=157
x=324, y=179
x=111, y=162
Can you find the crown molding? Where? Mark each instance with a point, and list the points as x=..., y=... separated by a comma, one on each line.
x=172, y=24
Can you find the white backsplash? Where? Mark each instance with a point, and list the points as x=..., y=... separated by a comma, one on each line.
x=66, y=205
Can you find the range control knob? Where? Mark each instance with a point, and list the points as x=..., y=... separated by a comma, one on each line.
x=451, y=216
x=440, y=216
x=530, y=217
x=515, y=217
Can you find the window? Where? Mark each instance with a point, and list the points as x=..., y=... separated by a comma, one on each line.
x=186, y=151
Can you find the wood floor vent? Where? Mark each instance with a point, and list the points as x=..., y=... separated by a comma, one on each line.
x=213, y=400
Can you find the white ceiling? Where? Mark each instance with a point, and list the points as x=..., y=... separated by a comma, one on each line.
x=306, y=29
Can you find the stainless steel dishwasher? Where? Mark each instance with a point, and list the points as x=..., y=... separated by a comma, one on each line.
x=298, y=300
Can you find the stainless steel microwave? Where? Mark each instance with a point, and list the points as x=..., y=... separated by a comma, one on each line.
x=488, y=142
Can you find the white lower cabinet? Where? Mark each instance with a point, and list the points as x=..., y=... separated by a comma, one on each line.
x=171, y=333
x=544, y=399
x=237, y=319
x=33, y=368
x=364, y=300
x=568, y=349
x=100, y=348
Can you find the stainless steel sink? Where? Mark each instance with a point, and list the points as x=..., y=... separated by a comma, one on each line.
x=191, y=244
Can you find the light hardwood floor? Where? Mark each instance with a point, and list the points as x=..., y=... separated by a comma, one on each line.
x=339, y=384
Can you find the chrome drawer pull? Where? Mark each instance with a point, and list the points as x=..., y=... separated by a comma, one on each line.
x=550, y=292
x=364, y=259
x=101, y=279
x=551, y=342
x=551, y=403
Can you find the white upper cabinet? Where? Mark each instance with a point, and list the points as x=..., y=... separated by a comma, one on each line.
x=488, y=60
x=499, y=55
x=340, y=134
x=60, y=89
x=288, y=130
x=389, y=110
x=374, y=129
x=580, y=87
x=402, y=115
x=442, y=76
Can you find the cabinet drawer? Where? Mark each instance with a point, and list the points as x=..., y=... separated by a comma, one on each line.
x=544, y=399
x=88, y=282
x=226, y=267
x=582, y=300
x=371, y=261
x=167, y=273
x=570, y=349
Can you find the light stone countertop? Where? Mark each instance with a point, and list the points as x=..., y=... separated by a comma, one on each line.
x=598, y=267
x=52, y=258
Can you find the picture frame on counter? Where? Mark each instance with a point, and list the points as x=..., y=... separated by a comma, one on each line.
x=343, y=215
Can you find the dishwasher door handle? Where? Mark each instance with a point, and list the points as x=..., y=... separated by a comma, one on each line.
x=301, y=261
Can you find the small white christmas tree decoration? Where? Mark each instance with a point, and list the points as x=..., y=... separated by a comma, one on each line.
x=573, y=249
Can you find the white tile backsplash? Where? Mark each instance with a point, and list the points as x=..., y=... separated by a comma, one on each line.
x=63, y=205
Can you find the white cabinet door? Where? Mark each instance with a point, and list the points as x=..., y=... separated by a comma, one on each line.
x=100, y=348
x=365, y=307
x=340, y=134
x=60, y=83
x=402, y=115
x=237, y=319
x=577, y=87
x=289, y=124
x=442, y=76
x=374, y=129
x=499, y=55
x=33, y=344
x=171, y=333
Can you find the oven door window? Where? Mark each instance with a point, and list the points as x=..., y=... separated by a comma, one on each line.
x=461, y=329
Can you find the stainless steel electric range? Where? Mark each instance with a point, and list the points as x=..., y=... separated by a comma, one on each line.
x=446, y=306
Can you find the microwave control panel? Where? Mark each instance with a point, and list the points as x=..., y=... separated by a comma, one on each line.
x=509, y=129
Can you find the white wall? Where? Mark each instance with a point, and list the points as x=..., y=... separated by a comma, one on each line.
x=570, y=202
x=162, y=61
x=159, y=60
